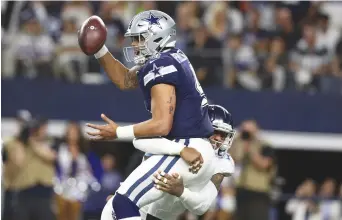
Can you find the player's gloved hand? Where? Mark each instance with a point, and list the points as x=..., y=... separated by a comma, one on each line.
x=104, y=132
x=172, y=184
x=193, y=158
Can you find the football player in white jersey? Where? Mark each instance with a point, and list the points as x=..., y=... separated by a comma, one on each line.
x=180, y=197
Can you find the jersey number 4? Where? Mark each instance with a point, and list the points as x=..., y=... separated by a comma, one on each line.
x=183, y=60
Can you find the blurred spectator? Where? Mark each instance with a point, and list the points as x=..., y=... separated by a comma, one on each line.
x=311, y=15
x=111, y=177
x=216, y=21
x=146, y=5
x=204, y=56
x=35, y=178
x=277, y=50
x=240, y=65
x=253, y=31
x=70, y=60
x=267, y=14
x=76, y=10
x=256, y=161
x=330, y=208
x=115, y=28
x=273, y=76
x=34, y=51
x=310, y=59
x=333, y=10
x=13, y=156
x=286, y=28
x=110, y=182
x=74, y=174
x=327, y=34
x=274, y=69
x=230, y=19
x=186, y=21
x=303, y=206
x=126, y=10
x=332, y=81
x=46, y=17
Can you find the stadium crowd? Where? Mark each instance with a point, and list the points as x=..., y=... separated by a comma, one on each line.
x=246, y=45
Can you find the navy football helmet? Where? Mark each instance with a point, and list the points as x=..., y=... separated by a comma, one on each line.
x=222, y=122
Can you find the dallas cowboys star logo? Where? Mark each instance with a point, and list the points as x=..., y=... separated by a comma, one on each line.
x=153, y=20
x=156, y=69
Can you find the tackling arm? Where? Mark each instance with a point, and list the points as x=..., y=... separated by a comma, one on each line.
x=120, y=75
x=199, y=202
x=158, y=146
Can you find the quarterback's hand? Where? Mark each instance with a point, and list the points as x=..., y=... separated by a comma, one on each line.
x=172, y=184
x=104, y=132
x=193, y=158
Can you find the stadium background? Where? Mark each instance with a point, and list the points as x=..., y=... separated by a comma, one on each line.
x=251, y=58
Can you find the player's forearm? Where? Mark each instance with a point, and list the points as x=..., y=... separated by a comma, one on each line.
x=199, y=202
x=158, y=146
x=163, y=105
x=152, y=128
x=149, y=128
x=120, y=75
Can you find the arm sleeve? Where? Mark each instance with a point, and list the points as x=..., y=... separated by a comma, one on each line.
x=161, y=71
x=199, y=202
x=158, y=146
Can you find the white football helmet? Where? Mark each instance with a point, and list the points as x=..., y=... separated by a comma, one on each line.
x=222, y=122
x=154, y=30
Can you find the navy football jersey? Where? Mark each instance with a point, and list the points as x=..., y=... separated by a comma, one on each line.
x=191, y=118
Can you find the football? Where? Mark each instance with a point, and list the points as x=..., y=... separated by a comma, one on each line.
x=92, y=35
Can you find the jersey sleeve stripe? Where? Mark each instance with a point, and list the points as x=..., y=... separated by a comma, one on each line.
x=150, y=186
x=146, y=176
x=161, y=72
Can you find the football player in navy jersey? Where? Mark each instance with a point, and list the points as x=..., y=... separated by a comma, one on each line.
x=178, y=106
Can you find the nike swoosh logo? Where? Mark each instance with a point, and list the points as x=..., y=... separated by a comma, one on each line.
x=140, y=25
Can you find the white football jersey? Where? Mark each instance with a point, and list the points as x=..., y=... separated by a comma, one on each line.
x=170, y=207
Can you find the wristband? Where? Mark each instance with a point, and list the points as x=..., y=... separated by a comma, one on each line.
x=101, y=52
x=125, y=132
